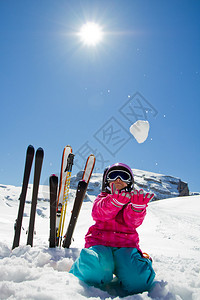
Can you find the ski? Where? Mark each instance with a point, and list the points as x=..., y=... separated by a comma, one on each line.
x=67, y=150
x=80, y=193
x=53, y=184
x=37, y=172
x=27, y=170
x=68, y=169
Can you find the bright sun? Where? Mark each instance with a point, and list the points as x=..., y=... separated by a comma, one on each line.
x=91, y=34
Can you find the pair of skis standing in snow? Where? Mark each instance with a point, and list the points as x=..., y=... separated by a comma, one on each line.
x=37, y=172
x=58, y=206
x=112, y=243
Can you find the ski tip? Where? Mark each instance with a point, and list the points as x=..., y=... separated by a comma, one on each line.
x=40, y=153
x=53, y=178
x=93, y=157
x=40, y=150
x=30, y=149
x=68, y=146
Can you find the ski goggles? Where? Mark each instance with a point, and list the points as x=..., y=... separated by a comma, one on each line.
x=123, y=175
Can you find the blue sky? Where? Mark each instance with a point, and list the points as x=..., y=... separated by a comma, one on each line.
x=56, y=91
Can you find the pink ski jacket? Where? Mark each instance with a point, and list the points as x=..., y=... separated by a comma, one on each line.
x=115, y=226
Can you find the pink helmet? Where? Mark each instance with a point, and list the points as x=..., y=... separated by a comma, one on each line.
x=117, y=166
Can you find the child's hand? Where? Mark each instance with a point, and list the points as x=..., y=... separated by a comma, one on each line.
x=139, y=200
x=121, y=198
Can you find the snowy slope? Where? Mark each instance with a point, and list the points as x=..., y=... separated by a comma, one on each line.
x=170, y=234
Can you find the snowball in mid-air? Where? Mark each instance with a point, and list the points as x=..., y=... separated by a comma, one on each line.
x=140, y=130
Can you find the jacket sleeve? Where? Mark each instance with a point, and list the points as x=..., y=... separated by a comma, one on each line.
x=133, y=218
x=105, y=207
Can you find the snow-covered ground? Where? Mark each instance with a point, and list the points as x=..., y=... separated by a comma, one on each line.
x=170, y=234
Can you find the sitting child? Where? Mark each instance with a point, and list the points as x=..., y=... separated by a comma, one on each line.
x=112, y=243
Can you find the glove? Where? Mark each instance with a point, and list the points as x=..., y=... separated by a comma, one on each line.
x=139, y=201
x=120, y=199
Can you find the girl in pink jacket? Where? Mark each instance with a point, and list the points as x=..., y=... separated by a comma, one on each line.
x=112, y=243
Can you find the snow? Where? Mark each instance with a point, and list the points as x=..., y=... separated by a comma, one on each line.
x=140, y=130
x=170, y=234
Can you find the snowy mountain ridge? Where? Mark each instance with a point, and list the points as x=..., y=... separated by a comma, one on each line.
x=162, y=186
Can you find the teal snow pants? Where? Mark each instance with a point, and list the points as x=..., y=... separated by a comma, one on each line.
x=97, y=264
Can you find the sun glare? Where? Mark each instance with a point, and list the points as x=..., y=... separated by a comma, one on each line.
x=91, y=34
